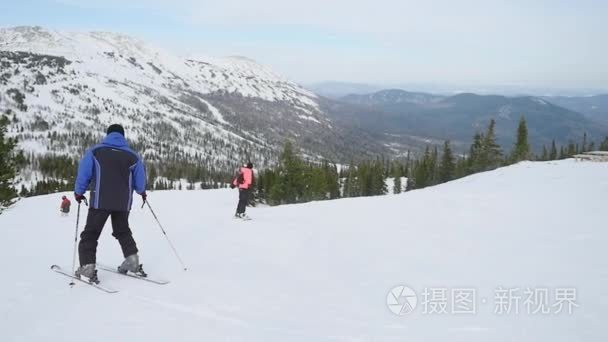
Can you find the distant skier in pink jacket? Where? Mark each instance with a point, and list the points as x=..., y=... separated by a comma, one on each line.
x=244, y=181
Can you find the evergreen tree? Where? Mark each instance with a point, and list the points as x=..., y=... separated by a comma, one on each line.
x=434, y=167
x=407, y=166
x=476, y=154
x=346, y=186
x=562, y=153
x=152, y=174
x=8, y=166
x=491, y=151
x=290, y=185
x=485, y=154
x=462, y=168
x=364, y=178
x=553, y=154
x=584, y=147
x=447, y=169
x=604, y=145
x=351, y=186
x=572, y=150
x=315, y=188
x=425, y=171
x=411, y=184
x=379, y=180
x=421, y=176
x=24, y=192
x=371, y=178
x=397, y=186
x=332, y=180
x=521, y=151
x=545, y=155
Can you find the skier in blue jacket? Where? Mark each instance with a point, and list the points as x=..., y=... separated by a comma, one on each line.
x=111, y=171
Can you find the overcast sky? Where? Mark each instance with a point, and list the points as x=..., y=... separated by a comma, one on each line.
x=558, y=43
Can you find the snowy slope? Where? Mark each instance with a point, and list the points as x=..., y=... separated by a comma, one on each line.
x=322, y=271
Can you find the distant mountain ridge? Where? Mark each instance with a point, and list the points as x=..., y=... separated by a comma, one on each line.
x=401, y=113
x=334, y=90
x=394, y=97
x=593, y=107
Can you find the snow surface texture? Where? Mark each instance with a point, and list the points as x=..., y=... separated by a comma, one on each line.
x=322, y=271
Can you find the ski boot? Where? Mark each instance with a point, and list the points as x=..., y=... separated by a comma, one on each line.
x=89, y=272
x=131, y=264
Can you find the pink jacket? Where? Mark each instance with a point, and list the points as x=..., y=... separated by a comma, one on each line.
x=245, y=178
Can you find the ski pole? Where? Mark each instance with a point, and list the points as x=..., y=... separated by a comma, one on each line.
x=75, y=243
x=76, y=240
x=166, y=236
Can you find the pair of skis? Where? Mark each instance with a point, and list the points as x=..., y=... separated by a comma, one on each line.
x=104, y=288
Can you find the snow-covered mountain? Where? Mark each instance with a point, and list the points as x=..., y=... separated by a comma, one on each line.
x=61, y=89
x=324, y=271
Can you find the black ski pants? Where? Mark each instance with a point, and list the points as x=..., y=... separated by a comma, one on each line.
x=243, y=200
x=96, y=219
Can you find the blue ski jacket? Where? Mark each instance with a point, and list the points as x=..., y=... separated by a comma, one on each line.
x=111, y=170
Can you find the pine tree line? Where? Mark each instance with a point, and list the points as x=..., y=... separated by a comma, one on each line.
x=297, y=181
x=294, y=180
x=485, y=154
x=9, y=161
x=367, y=178
x=59, y=174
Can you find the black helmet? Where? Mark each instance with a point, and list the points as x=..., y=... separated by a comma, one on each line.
x=250, y=165
x=116, y=128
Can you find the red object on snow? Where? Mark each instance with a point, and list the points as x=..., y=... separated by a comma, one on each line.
x=65, y=204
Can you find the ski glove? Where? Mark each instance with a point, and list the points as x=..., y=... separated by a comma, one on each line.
x=80, y=198
x=144, y=197
x=232, y=186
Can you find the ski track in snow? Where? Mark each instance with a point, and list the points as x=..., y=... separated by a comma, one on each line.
x=321, y=271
